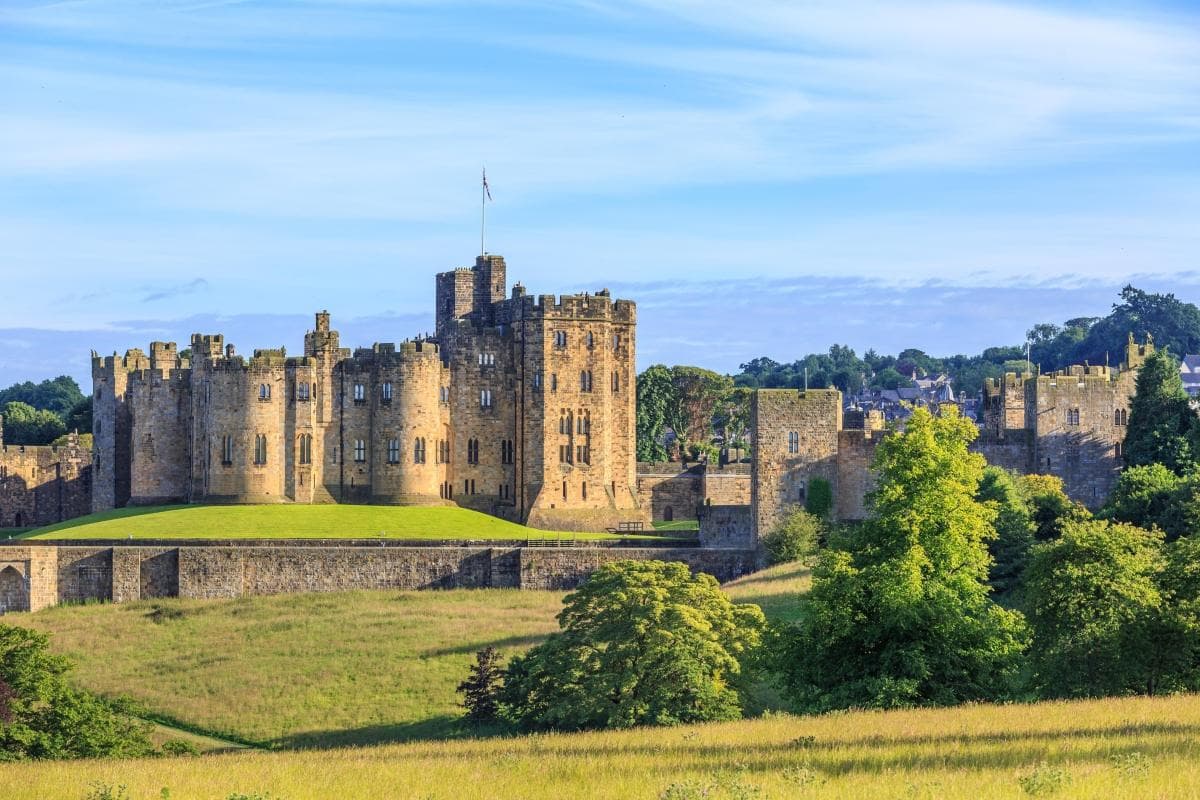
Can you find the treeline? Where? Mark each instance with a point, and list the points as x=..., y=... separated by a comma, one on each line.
x=1175, y=325
x=43, y=413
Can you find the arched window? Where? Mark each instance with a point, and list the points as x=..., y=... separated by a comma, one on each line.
x=226, y=449
x=304, y=444
x=264, y=391
x=360, y=450
x=386, y=392
x=360, y=393
x=616, y=382
x=554, y=381
x=485, y=398
x=591, y=340
x=260, y=449
x=418, y=450
x=793, y=442
x=472, y=451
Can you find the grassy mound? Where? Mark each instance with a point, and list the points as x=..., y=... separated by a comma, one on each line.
x=295, y=521
x=1131, y=747
x=316, y=670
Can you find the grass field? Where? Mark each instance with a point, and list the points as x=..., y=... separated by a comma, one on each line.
x=1118, y=748
x=331, y=521
x=319, y=670
x=677, y=525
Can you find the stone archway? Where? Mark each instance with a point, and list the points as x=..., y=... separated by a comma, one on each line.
x=668, y=514
x=14, y=594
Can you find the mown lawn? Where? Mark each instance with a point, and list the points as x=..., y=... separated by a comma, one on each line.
x=297, y=521
x=1102, y=749
x=320, y=670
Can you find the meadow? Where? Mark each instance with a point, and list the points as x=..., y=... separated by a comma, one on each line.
x=331, y=521
x=320, y=669
x=1116, y=748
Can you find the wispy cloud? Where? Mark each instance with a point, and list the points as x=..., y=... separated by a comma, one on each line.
x=176, y=290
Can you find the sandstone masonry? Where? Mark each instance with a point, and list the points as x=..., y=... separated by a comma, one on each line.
x=521, y=407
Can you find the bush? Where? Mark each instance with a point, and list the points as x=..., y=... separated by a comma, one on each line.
x=179, y=747
x=819, y=501
x=797, y=537
x=46, y=718
x=642, y=643
x=481, y=690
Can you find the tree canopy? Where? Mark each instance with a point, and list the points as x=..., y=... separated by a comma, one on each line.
x=902, y=616
x=1162, y=425
x=642, y=642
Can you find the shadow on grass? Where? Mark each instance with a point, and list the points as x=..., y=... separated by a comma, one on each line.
x=528, y=640
x=439, y=728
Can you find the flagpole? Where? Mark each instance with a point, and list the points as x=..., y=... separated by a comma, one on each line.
x=482, y=211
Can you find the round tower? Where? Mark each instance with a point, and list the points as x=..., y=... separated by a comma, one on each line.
x=406, y=467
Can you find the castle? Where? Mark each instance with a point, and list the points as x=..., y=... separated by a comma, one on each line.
x=518, y=406
x=43, y=484
x=1070, y=423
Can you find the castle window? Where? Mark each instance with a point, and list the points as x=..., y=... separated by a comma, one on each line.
x=560, y=339
x=564, y=490
x=585, y=381
x=1072, y=416
x=443, y=446
x=801, y=492
x=1117, y=450
x=360, y=450
x=1120, y=417
x=472, y=486
x=333, y=455
x=591, y=340
x=554, y=381
x=226, y=450
x=360, y=394
x=264, y=391
x=472, y=451
x=793, y=442
x=302, y=391
x=506, y=451
x=260, y=449
x=418, y=450
x=386, y=392
x=485, y=398
x=487, y=359
x=537, y=381
x=305, y=445
x=585, y=490
x=445, y=394
x=99, y=426
x=616, y=341
x=616, y=382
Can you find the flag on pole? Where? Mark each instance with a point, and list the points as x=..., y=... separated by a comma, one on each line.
x=486, y=189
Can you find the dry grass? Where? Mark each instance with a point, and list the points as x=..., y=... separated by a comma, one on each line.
x=1126, y=748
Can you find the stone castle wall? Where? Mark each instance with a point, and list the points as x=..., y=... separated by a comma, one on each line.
x=35, y=576
x=794, y=439
x=672, y=491
x=43, y=484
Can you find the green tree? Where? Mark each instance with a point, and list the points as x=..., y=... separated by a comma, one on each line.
x=1014, y=526
x=80, y=416
x=797, y=537
x=1050, y=506
x=1094, y=605
x=1143, y=495
x=1162, y=424
x=819, y=500
x=655, y=394
x=902, y=616
x=483, y=686
x=889, y=378
x=24, y=424
x=693, y=404
x=43, y=717
x=642, y=643
x=58, y=396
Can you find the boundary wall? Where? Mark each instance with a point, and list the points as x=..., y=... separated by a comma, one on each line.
x=37, y=575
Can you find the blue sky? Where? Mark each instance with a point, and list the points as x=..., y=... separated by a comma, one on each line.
x=765, y=178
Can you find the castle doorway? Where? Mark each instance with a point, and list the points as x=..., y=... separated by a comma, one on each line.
x=17, y=522
x=13, y=594
x=668, y=514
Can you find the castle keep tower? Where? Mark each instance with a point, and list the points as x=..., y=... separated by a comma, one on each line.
x=518, y=407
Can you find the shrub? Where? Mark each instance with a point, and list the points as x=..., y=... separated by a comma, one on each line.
x=179, y=747
x=642, y=643
x=481, y=690
x=819, y=501
x=49, y=719
x=797, y=537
